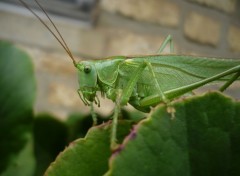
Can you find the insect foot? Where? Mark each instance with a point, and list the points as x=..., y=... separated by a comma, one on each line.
x=115, y=146
x=171, y=110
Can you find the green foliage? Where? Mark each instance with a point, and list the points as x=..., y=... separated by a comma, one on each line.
x=17, y=84
x=203, y=137
x=50, y=137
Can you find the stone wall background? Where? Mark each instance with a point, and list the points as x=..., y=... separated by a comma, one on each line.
x=126, y=27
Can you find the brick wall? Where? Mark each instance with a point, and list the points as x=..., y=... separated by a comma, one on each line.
x=200, y=26
x=126, y=27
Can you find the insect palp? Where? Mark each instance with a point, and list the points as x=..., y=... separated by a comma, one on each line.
x=97, y=101
x=82, y=98
x=86, y=101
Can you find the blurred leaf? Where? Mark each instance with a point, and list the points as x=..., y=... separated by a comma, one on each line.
x=16, y=98
x=202, y=139
x=24, y=163
x=78, y=125
x=50, y=137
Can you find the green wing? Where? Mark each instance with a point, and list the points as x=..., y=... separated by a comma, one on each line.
x=174, y=71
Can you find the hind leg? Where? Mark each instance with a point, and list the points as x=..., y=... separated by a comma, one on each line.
x=167, y=41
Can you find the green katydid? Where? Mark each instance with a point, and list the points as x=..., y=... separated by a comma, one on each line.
x=145, y=81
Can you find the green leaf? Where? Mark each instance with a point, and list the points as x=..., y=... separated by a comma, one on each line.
x=87, y=156
x=16, y=98
x=202, y=139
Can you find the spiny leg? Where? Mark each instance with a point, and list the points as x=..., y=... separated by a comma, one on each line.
x=122, y=99
x=170, y=108
x=117, y=107
x=167, y=40
x=93, y=114
x=154, y=99
x=161, y=94
x=229, y=82
x=128, y=89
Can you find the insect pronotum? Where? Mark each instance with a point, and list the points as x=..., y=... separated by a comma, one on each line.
x=144, y=81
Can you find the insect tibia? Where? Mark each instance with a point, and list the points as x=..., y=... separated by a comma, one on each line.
x=94, y=116
x=229, y=82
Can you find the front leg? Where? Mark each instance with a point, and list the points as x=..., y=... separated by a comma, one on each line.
x=121, y=98
x=128, y=89
x=117, y=108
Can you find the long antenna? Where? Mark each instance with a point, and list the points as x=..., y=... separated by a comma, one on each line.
x=62, y=41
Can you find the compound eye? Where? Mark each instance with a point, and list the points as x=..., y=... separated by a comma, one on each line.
x=87, y=69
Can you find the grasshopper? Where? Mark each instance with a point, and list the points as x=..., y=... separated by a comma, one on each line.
x=145, y=81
